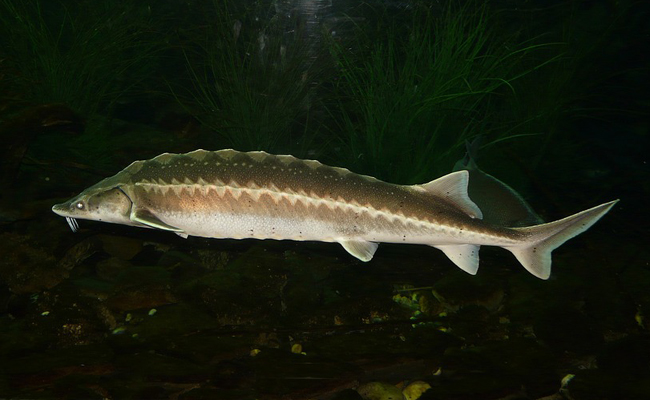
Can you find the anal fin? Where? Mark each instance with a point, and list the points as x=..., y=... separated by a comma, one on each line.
x=465, y=256
x=361, y=249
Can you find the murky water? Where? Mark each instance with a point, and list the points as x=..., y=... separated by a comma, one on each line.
x=117, y=312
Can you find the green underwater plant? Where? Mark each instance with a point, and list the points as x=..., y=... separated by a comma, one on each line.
x=84, y=55
x=593, y=82
x=411, y=100
x=250, y=82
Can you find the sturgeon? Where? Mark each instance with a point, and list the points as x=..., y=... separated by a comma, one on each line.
x=232, y=194
x=501, y=204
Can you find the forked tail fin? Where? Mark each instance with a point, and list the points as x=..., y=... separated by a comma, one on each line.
x=535, y=252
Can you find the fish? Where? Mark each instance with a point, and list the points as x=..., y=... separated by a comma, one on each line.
x=500, y=203
x=239, y=195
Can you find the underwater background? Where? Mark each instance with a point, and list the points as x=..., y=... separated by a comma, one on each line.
x=556, y=92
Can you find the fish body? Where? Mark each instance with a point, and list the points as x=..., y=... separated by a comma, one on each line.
x=231, y=194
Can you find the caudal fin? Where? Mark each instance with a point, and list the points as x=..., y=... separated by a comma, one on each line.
x=535, y=253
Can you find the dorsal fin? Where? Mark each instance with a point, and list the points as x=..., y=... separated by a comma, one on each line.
x=468, y=161
x=453, y=188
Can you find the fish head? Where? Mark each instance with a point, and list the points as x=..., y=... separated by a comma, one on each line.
x=97, y=204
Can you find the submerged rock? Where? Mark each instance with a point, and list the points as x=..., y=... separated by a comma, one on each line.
x=122, y=247
x=380, y=391
x=414, y=390
x=27, y=267
x=566, y=329
x=457, y=290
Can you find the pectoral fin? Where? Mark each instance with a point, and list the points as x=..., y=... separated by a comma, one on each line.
x=361, y=249
x=146, y=217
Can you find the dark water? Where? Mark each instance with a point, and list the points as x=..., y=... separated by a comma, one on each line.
x=393, y=89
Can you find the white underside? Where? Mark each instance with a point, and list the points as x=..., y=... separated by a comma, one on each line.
x=243, y=226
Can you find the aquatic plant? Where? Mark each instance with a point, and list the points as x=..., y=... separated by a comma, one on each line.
x=409, y=103
x=83, y=55
x=250, y=79
x=573, y=92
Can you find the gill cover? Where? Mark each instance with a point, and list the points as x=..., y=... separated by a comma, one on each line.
x=111, y=205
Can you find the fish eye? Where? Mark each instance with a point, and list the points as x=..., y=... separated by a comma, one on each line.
x=79, y=205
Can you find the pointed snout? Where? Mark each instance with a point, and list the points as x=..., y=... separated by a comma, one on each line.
x=62, y=209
